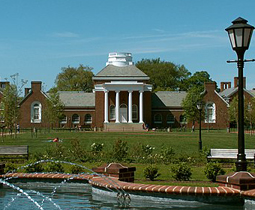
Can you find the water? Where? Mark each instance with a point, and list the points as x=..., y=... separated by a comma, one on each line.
x=81, y=196
x=65, y=195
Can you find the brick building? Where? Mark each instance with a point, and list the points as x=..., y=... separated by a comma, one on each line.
x=217, y=103
x=122, y=99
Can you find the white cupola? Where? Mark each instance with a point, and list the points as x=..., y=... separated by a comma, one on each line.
x=120, y=59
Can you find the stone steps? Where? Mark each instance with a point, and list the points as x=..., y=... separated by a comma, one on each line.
x=123, y=127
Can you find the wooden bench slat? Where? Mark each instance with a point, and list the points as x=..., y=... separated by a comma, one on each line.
x=229, y=154
x=13, y=151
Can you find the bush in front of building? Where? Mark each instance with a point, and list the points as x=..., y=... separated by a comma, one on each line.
x=120, y=150
x=181, y=171
x=151, y=172
x=212, y=170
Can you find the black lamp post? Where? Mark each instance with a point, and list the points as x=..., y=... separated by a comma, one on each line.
x=240, y=36
x=200, y=107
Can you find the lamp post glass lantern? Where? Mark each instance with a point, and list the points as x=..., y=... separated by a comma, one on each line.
x=200, y=107
x=240, y=36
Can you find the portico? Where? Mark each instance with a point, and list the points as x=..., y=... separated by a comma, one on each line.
x=123, y=86
x=124, y=114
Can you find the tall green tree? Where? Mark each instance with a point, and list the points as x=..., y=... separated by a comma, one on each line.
x=195, y=86
x=75, y=79
x=10, y=111
x=197, y=80
x=53, y=110
x=164, y=75
x=249, y=111
x=189, y=104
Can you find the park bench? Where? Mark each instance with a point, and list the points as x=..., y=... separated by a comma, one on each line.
x=14, y=152
x=220, y=154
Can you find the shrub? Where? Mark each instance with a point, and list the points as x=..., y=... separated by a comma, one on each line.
x=151, y=172
x=166, y=154
x=76, y=169
x=56, y=151
x=181, y=171
x=142, y=153
x=54, y=167
x=147, y=149
x=33, y=168
x=212, y=170
x=77, y=152
x=96, y=148
x=120, y=150
x=9, y=167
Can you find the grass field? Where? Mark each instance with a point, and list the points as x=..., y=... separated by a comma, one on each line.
x=183, y=143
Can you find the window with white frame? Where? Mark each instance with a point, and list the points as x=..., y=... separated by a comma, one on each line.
x=112, y=112
x=63, y=119
x=157, y=118
x=134, y=112
x=183, y=119
x=75, y=119
x=210, y=112
x=88, y=119
x=36, y=112
x=170, y=119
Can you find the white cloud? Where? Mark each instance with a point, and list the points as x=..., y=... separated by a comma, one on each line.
x=65, y=34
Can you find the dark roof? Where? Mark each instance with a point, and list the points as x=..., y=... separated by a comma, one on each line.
x=228, y=92
x=119, y=72
x=163, y=99
x=77, y=98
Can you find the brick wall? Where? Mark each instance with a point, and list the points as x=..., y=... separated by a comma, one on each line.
x=221, y=108
x=99, y=109
x=25, y=107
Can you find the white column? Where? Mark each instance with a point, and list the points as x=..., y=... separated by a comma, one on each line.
x=106, y=106
x=117, y=107
x=130, y=107
x=141, y=107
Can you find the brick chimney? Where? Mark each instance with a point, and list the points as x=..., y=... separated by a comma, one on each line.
x=224, y=86
x=27, y=90
x=236, y=82
x=36, y=86
x=210, y=86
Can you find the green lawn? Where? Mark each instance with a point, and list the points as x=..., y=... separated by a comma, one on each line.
x=182, y=143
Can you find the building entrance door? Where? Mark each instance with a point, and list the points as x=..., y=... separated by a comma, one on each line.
x=123, y=113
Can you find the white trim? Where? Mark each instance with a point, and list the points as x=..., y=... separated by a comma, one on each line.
x=106, y=107
x=221, y=98
x=117, y=107
x=75, y=122
x=142, y=78
x=123, y=86
x=130, y=104
x=32, y=120
x=88, y=122
x=141, y=107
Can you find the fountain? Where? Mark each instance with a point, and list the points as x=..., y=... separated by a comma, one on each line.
x=92, y=190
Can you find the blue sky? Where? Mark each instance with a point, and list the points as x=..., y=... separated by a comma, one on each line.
x=39, y=37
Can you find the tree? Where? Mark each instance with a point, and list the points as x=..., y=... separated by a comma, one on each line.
x=233, y=110
x=75, y=79
x=249, y=111
x=10, y=106
x=195, y=86
x=189, y=104
x=10, y=102
x=197, y=80
x=163, y=75
x=53, y=111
